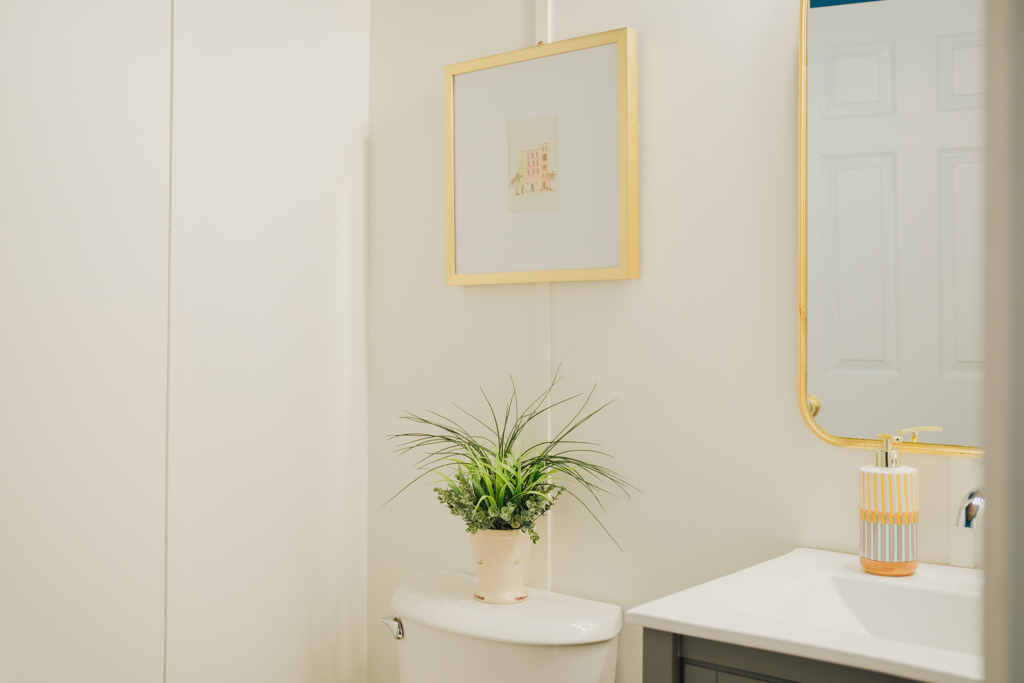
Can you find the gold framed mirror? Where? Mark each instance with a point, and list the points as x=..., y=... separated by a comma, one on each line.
x=890, y=190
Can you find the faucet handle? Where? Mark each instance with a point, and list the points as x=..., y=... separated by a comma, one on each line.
x=970, y=507
x=914, y=430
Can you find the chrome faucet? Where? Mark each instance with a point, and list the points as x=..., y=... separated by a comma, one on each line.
x=969, y=509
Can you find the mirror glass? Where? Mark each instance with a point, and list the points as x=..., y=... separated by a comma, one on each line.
x=895, y=192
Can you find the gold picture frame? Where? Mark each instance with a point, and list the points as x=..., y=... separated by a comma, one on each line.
x=628, y=218
x=808, y=404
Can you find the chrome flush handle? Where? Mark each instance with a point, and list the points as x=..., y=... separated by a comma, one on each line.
x=395, y=624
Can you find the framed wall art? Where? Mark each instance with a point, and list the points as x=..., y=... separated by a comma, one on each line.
x=541, y=163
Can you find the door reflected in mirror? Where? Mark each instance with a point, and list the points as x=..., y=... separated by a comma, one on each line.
x=894, y=222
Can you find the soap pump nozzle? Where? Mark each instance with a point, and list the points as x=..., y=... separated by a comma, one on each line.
x=888, y=455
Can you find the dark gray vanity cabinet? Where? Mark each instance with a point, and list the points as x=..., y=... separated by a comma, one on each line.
x=671, y=658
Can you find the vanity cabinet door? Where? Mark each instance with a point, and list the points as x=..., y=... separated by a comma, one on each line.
x=708, y=661
x=698, y=674
x=733, y=678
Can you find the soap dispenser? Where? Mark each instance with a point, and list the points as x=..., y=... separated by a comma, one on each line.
x=889, y=509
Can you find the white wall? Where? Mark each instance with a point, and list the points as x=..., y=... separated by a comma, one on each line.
x=428, y=344
x=701, y=350
x=267, y=507
x=84, y=148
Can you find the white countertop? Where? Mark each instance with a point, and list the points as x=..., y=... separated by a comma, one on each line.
x=822, y=605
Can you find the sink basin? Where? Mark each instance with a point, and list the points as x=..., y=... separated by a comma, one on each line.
x=822, y=605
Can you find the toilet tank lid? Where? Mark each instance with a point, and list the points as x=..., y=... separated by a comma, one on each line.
x=444, y=601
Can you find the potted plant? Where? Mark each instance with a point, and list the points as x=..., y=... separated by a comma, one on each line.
x=500, y=486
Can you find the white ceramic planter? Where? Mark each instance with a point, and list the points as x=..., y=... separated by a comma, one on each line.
x=501, y=559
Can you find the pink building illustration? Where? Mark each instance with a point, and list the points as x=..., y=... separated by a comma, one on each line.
x=534, y=166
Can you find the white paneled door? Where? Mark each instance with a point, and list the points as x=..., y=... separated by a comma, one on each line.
x=267, y=480
x=182, y=487
x=84, y=155
x=895, y=189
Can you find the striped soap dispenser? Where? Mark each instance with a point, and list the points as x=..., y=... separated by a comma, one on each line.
x=889, y=508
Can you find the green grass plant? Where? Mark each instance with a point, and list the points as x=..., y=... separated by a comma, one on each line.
x=494, y=480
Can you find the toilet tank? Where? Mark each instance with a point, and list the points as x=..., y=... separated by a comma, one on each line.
x=448, y=637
